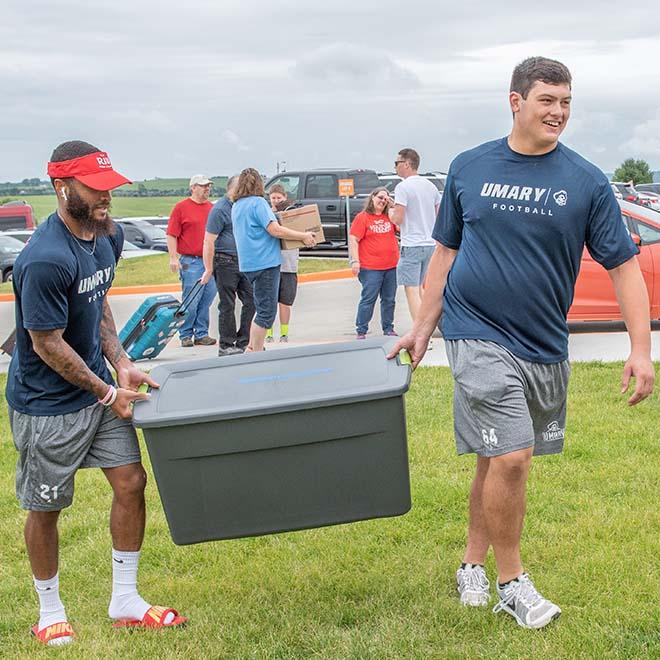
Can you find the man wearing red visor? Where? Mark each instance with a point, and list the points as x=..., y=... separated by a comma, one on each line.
x=66, y=411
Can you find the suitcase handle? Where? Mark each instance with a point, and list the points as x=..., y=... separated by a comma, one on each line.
x=187, y=301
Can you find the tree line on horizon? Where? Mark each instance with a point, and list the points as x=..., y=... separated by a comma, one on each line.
x=635, y=170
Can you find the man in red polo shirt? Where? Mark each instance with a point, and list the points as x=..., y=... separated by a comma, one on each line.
x=185, y=242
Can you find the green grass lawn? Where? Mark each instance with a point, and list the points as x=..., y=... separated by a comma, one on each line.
x=169, y=185
x=44, y=205
x=156, y=270
x=384, y=588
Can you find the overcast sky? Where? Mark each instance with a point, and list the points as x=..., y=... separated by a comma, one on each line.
x=175, y=88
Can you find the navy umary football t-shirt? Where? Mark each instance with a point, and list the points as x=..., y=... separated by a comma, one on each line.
x=520, y=224
x=58, y=284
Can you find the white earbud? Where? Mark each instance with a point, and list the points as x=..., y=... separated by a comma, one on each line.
x=63, y=193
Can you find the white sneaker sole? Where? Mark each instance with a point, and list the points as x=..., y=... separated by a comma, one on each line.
x=552, y=614
x=474, y=599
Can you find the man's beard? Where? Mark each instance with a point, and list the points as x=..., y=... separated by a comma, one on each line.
x=83, y=214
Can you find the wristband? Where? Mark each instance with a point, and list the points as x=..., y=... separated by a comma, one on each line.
x=353, y=261
x=107, y=396
x=113, y=398
x=110, y=397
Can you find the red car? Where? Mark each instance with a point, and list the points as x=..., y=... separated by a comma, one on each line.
x=594, y=294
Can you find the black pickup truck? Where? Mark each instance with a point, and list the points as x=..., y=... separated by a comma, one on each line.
x=321, y=187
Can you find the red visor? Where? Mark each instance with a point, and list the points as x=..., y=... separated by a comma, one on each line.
x=94, y=170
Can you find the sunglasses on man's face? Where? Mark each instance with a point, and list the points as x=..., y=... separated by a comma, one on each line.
x=397, y=162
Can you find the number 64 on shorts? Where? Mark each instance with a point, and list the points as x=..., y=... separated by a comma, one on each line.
x=489, y=437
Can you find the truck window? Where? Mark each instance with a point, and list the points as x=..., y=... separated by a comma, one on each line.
x=12, y=222
x=321, y=186
x=290, y=183
x=364, y=182
x=132, y=234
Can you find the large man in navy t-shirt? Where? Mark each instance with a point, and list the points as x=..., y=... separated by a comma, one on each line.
x=514, y=219
x=64, y=408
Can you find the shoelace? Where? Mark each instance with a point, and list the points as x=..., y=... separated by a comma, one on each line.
x=476, y=580
x=526, y=593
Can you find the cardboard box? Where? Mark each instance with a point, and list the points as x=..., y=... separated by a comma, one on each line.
x=305, y=218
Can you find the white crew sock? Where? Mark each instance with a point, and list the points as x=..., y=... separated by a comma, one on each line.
x=126, y=602
x=51, y=609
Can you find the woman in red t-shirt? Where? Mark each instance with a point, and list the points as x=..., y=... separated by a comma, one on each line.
x=374, y=255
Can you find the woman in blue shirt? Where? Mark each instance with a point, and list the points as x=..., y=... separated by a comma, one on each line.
x=257, y=235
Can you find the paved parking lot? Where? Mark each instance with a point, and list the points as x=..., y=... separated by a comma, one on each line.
x=325, y=312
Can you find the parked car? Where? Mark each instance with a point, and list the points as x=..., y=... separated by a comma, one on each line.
x=143, y=234
x=10, y=248
x=131, y=251
x=157, y=220
x=627, y=189
x=23, y=235
x=650, y=199
x=594, y=294
x=16, y=215
x=321, y=187
x=630, y=193
x=390, y=180
x=649, y=187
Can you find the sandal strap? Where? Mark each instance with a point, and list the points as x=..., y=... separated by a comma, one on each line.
x=54, y=631
x=155, y=615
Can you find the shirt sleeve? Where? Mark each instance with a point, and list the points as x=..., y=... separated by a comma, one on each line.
x=358, y=226
x=214, y=221
x=607, y=239
x=448, y=228
x=117, y=240
x=174, y=223
x=263, y=213
x=401, y=194
x=44, y=299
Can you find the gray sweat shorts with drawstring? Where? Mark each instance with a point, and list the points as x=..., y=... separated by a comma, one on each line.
x=502, y=403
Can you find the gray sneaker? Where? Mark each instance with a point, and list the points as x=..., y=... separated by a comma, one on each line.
x=525, y=604
x=473, y=586
x=230, y=350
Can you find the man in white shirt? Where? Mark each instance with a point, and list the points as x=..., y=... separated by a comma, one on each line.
x=416, y=204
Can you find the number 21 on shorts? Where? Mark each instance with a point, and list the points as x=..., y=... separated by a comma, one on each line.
x=47, y=492
x=489, y=437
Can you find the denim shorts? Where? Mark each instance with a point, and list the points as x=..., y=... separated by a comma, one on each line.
x=413, y=264
x=265, y=286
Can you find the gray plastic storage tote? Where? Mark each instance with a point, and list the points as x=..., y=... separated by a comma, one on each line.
x=282, y=440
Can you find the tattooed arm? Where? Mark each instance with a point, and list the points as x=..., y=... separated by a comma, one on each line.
x=50, y=346
x=110, y=344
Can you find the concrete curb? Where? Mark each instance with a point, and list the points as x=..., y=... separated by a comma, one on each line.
x=175, y=287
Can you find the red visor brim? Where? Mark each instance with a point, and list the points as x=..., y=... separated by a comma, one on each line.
x=108, y=180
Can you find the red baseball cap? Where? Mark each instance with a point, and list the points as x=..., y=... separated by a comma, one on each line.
x=94, y=170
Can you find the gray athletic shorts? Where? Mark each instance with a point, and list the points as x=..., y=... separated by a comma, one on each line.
x=52, y=448
x=503, y=403
x=413, y=264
